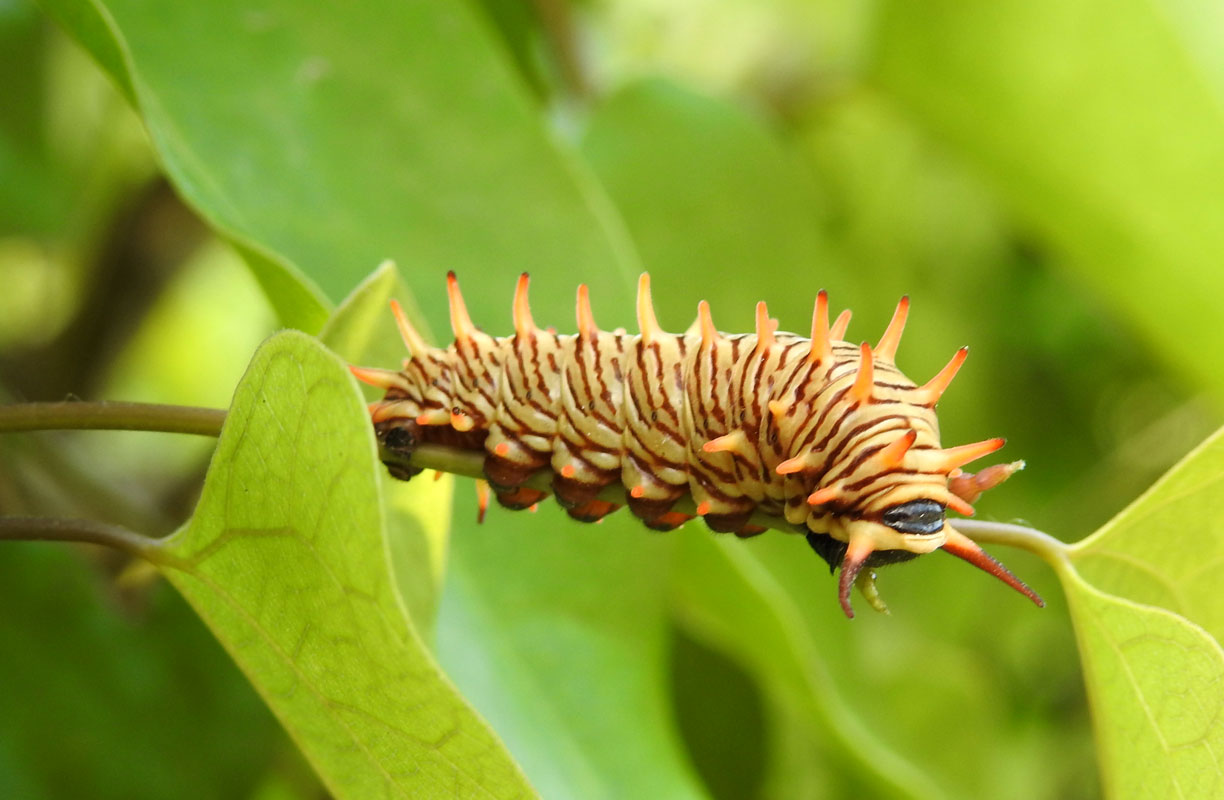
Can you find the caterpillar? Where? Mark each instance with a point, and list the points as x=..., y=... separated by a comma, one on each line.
x=813, y=435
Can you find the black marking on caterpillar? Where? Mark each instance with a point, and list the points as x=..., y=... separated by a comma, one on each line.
x=814, y=435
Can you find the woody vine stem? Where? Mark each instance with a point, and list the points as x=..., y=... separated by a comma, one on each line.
x=76, y=415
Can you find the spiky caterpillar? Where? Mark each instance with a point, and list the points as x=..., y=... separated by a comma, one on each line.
x=818, y=435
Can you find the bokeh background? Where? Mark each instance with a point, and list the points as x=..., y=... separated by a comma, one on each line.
x=1044, y=179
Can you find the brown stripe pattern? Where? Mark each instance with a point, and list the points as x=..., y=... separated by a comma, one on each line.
x=827, y=435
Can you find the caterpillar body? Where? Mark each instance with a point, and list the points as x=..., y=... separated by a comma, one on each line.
x=815, y=435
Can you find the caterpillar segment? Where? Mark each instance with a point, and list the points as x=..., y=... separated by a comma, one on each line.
x=816, y=435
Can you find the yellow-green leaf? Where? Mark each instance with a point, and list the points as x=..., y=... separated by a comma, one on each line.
x=287, y=561
x=1156, y=682
x=1167, y=548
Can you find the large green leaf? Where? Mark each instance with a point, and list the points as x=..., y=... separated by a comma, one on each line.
x=1149, y=617
x=1164, y=549
x=725, y=594
x=287, y=562
x=140, y=703
x=1100, y=122
x=557, y=632
x=741, y=210
x=326, y=138
x=1155, y=682
x=1154, y=676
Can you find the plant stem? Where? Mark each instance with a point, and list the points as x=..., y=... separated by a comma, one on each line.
x=1051, y=550
x=74, y=415
x=207, y=422
x=42, y=529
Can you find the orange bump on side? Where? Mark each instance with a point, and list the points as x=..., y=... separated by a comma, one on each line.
x=524, y=326
x=648, y=324
x=735, y=442
x=703, y=508
x=586, y=320
x=792, y=465
x=778, y=408
x=502, y=449
x=637, y=491
x=960, y=506
x=378, y=378
x=567, y=471
x=838, y=331
x=892, y=455
x=380, y=412
x=826, y=495
x=462, y=422
x=436, y=416
x=887, y=348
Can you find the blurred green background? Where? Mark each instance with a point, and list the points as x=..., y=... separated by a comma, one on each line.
x=1043, y=179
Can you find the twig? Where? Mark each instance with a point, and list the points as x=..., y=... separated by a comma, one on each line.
x=42, y=529
x=207, y=422
x=72, y=415
x=1051, y=550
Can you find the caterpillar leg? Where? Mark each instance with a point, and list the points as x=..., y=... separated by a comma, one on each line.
x=667, y=521
x=593, y=511
x=729, y=523
x=653, y=507
x=482, y=500
x=520, y=498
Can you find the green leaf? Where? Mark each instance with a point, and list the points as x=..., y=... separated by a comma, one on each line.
x=287, y=562
x=1154, y=679
x=739, y=203
x=557, y=632
x=140, y=703
x=1166, y=548
x=327, y=138
x=1099, y=121
x=1136, y=589
x=362, y=331
x=723, y=592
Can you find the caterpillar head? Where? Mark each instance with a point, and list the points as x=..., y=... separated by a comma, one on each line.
x=902, y=513
x=885, y=485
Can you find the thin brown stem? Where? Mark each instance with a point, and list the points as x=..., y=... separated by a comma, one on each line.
x=83, y=531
